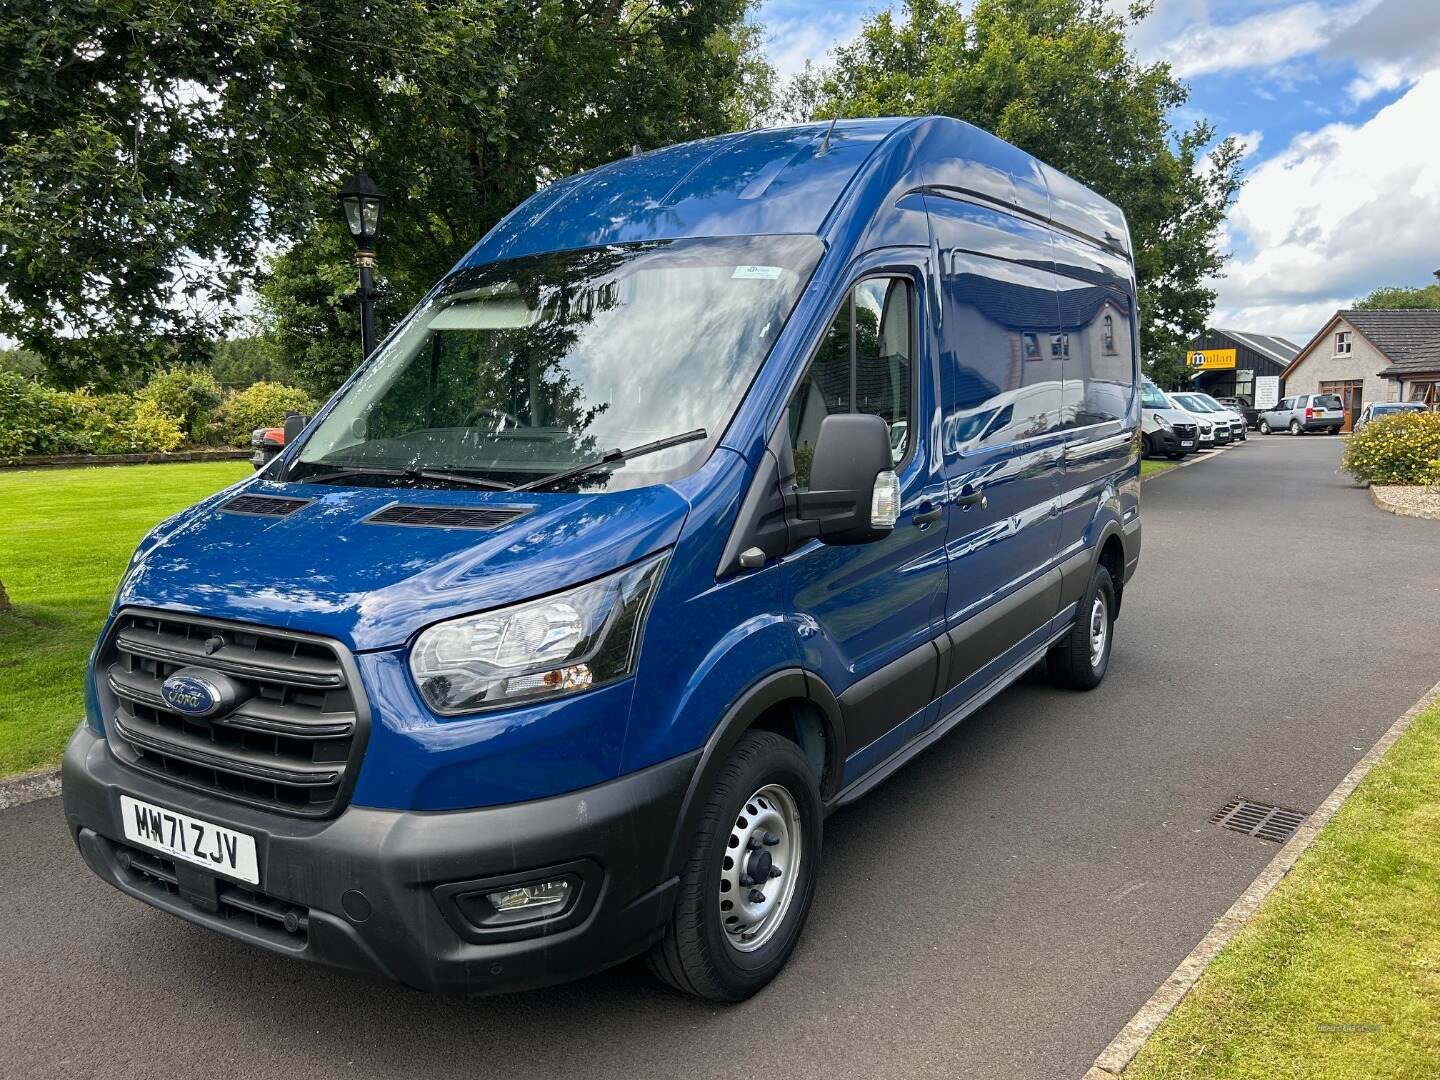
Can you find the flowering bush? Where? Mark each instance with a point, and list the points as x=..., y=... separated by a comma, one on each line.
x=1402, y=448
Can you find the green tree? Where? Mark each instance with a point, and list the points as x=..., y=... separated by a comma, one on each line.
x=1401, y=297
x=149, y=152
x=1057, y=78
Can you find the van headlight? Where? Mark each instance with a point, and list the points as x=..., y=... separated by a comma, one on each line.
x=560, y=644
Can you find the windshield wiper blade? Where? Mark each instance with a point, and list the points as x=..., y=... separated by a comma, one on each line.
x=408, y=474
x=461, y=478
x=611, y=457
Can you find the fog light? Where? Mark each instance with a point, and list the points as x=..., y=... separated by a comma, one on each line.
x=525, y=902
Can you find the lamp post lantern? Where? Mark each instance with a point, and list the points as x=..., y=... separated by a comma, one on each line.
x=362, y=202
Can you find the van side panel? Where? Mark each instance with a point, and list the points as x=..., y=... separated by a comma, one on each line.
x=1100, y=322
x=1002, y=431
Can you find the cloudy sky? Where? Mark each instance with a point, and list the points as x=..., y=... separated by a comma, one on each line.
x=1338, y=103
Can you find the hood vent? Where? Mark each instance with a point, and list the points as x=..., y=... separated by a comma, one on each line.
x=448, y=517
x=263, y=505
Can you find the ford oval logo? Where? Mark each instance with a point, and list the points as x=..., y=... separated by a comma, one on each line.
x=190, y=695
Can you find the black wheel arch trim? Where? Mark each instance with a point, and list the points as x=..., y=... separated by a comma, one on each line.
x=787, y=684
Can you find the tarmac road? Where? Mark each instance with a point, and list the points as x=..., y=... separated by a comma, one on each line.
x=999, y=908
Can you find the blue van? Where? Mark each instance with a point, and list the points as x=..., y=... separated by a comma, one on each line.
x=708, y=489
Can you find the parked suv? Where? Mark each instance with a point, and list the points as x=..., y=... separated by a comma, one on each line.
x=710, y=487
x=1386, y=408
x=1164, y=429
x=1304, y=413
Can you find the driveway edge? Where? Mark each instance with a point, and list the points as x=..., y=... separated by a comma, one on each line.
x=1116, y=1058
x=1385, y=501
x=29, y=787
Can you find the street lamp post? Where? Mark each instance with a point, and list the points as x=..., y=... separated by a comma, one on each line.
x=362, y=201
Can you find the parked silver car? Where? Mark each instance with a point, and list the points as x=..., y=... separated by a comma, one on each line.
x=1304, y=412
x=1386, y=408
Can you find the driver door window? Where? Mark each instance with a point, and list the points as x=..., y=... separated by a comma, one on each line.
x=865, y=363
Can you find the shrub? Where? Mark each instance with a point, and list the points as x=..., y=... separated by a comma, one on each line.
x=35, y=419
x=150, y=430
x=1402, y=448
x=263, y=404
x=190, y=395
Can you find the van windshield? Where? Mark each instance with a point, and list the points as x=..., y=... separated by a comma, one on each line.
x=1194, y=403
x=521, y=369
x=1151, y=397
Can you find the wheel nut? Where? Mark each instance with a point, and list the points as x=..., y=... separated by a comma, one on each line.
x=746, y=881
x=771, y=839
x=753, y=844
x=774, y=871
x=756, y=896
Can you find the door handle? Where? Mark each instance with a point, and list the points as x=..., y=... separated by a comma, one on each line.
x=927, y=517
x=974, y=498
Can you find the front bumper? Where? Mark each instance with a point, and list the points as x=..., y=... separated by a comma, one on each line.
x=388, y=893
x=1168, y=441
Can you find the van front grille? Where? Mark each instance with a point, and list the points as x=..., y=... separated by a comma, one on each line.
x=293, y=740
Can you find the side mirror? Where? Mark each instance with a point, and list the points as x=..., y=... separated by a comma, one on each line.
x=854, y=494
x=295, y=423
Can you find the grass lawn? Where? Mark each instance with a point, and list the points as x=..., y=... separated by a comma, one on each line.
x=65, y=538
x=1151, y=466
x=1338, y=976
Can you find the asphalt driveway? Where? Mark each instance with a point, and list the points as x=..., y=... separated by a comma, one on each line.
x=998, y=909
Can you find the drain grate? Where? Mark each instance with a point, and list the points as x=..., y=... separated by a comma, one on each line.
x=1258, y=819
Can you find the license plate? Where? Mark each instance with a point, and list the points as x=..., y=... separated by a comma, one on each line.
x=193, y=840
x=1186, y=442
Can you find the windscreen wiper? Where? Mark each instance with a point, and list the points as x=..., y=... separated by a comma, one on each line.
x=408, y=474
x=612, y=457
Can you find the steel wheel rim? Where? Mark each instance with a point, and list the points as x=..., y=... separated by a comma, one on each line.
x=765, y=837
x=1099, y=630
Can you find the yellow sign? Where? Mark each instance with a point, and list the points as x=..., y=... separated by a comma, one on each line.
x=1211, y=359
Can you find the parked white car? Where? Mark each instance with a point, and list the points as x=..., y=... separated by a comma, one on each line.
x=1212, y=432
x=1206, y=405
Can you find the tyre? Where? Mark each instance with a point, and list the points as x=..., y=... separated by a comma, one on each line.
x=747, y=886
x=1264, y=427
x=1079, y=660
x=1295, y=428
x=1146, y=450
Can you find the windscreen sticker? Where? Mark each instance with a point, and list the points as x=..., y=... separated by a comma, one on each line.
x=763, y=273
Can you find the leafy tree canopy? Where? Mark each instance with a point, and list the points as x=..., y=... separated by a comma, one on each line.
x=1056, y=78
x=1401, y=296
x=150, y=152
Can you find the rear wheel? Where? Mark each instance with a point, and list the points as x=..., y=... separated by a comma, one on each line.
x=746, y=889
x=1295, y=428
x=1079, y=660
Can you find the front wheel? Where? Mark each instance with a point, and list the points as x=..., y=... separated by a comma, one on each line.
x=747, y=887
x=1079, y=660
x=1146, y=450
x=1264, y=427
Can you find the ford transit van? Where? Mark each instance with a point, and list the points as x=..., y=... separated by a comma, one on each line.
x=709, y=488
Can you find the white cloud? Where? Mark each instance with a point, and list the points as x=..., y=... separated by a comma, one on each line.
x=1249, y=141
x=1184, y=35
x=1338, y=212
x=794, y=41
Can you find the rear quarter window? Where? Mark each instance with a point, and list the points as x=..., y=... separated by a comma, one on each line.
x=1327, y=401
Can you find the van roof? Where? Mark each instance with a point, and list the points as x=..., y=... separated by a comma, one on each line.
x=789, y=180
